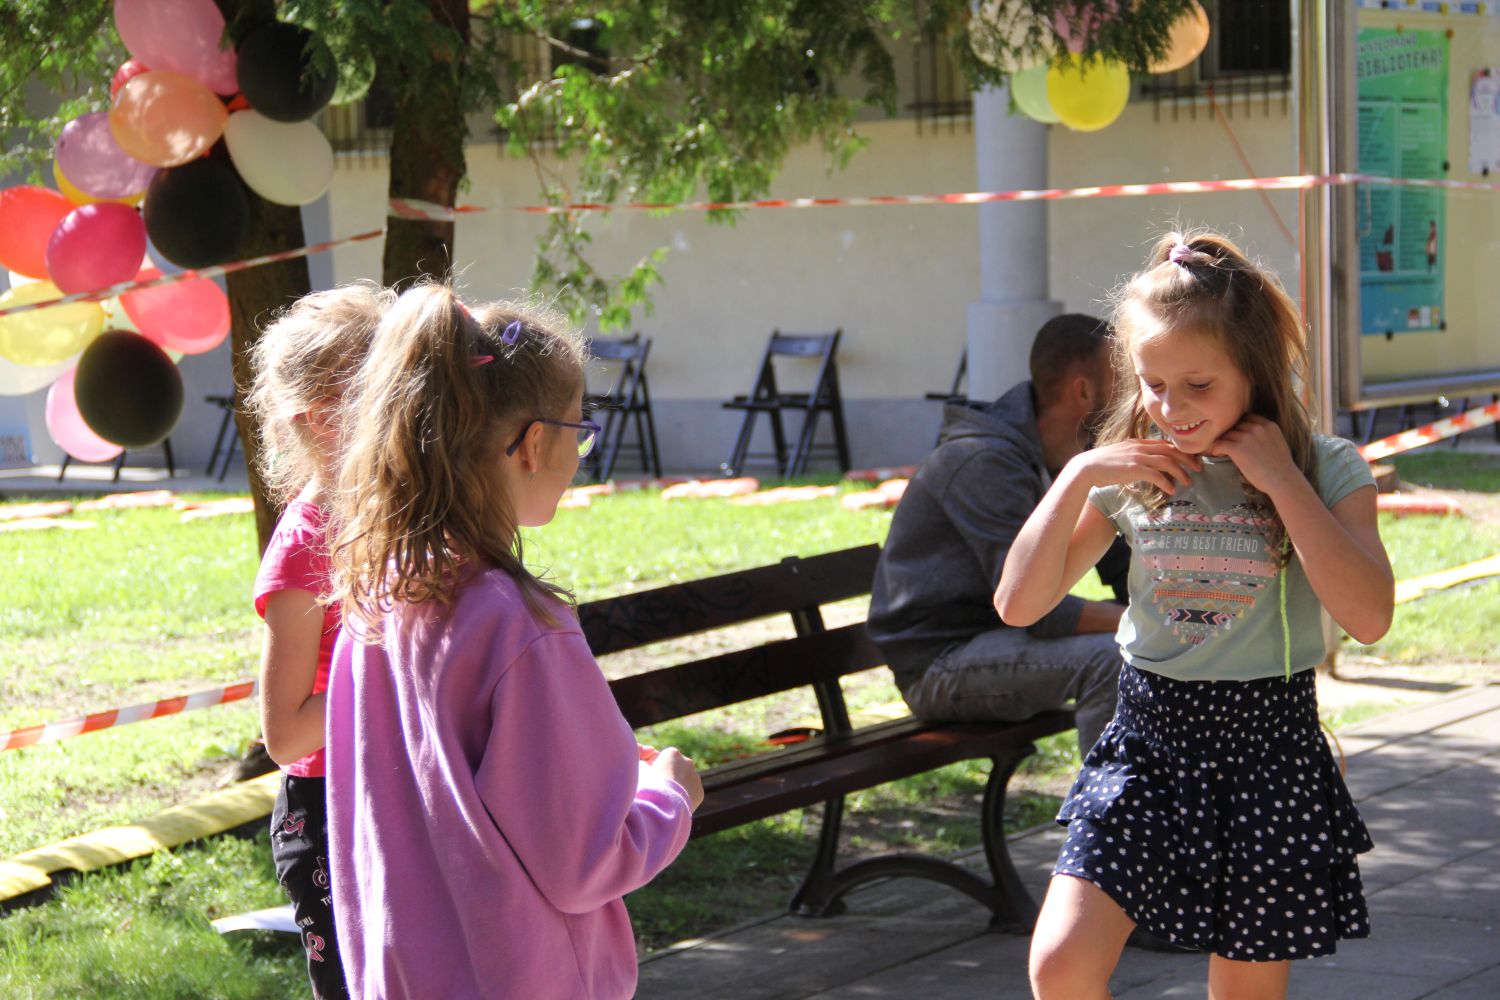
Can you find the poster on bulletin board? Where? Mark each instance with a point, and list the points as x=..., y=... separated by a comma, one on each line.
x=1402, y=79
x=1484, y=122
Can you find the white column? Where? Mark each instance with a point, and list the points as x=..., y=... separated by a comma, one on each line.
x=1010, y=153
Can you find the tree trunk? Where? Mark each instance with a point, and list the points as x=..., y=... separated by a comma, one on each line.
x=254, y=294
x=427, y=151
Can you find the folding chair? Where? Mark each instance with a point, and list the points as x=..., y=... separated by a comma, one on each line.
x=630, y=396
x=765, y=397
x=226, y=426
x=957, y=395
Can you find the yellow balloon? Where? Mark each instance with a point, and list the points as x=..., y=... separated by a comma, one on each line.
x=1087, y=95
x=77, y=197
x=46, y=336
x=1186, y=41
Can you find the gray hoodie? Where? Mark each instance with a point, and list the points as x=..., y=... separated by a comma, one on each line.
x=935, y=583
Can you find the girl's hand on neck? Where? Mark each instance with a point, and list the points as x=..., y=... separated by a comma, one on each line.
x=1259, y=450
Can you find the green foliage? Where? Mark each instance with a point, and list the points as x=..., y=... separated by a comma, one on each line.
x=56, y=62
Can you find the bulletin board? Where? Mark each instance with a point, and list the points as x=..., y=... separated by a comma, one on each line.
x=1418, y=268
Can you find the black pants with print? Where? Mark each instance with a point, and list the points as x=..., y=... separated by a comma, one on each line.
x=299, y=845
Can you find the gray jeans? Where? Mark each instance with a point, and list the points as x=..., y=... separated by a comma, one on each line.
x=1008, y=675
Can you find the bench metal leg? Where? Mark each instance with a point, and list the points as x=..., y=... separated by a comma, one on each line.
x=1011, y=907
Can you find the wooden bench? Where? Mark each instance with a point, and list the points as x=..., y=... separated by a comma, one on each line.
x=841, y=759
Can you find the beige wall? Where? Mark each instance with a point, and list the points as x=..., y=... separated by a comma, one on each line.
x=898, y=280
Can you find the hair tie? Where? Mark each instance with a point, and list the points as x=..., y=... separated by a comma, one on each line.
x=480, y=360
x=1179, y=253
x=512, y=333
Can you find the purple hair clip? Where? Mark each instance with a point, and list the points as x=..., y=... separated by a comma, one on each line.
x=1179, y=253
x=512, y=333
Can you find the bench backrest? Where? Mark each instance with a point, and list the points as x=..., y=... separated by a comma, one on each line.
x=796, y=587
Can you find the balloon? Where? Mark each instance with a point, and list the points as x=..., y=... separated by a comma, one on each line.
x=181, y=36
x=28, y=214
x=1002, y=33
x=1029, y=90
x=46, y=336
x=1187, y=39
x=93, y=162
x=1087, y=96
x=19, y=380
x=197, y=214
x=96, y=246
x=128, y=69
x=188, y=316
x=128, y=391
x=286, y=72
x=1075, y=26
x=166, y=118
x=66, y=425
x=76, y=197
x=356, y=74
x=289, y=164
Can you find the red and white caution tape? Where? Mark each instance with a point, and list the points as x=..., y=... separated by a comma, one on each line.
x=51, y=732
x=414, y=209
x=1427, y=434
x=99, y=294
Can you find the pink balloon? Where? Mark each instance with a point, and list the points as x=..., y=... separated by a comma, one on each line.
x=96, y=246
x=94, y=163
x=181, y=36
x=67, y=428
x=188, y=316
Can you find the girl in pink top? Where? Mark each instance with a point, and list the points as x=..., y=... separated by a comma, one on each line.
x=488, y=805
x=301, y=363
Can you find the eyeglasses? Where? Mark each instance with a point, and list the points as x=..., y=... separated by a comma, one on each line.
x=587, y=431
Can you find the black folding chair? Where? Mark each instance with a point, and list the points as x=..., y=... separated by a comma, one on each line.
x=957, y=395
x=766, y=398
x=226, y=426
x=630, y=396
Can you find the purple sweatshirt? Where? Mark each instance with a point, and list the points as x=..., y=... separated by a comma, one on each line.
x=487, y=808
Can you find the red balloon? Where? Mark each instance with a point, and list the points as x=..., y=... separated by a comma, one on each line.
x=28, y=215
x=96, y=246
x=128, y=69
x=187, y=316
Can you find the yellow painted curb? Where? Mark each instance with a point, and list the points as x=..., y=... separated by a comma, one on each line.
x=1410, y=590
x=212, y=814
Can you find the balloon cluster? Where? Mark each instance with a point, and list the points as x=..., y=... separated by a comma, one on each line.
x=1085, y=94
x=153, y=167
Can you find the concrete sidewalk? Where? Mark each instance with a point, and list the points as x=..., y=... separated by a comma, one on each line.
x=1427, y=780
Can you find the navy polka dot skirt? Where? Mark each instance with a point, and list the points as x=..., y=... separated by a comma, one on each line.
x=1213, y=813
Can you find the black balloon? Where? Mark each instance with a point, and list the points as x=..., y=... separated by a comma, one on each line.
x=285, y=72
x=128, y=391
x=197, y=214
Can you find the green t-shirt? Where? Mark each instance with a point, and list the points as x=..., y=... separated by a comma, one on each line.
x=1204, y=587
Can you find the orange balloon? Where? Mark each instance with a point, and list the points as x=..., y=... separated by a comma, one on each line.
x=166, y=119
x=1186, y=41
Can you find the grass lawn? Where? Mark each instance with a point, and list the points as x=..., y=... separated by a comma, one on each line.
x=145, y=606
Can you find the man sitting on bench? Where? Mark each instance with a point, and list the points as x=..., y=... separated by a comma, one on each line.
x=932, y=607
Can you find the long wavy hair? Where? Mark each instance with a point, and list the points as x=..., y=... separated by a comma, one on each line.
x=305, y=358
x=420, y=505
x=1213, y=290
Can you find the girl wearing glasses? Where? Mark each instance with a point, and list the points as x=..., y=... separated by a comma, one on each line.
x=489, y=806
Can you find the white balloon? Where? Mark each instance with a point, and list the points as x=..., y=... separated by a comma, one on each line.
x=17, y=279
x=19, y=380
x=289, y=163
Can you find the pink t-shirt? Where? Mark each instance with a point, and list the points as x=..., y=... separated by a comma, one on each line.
x=297, y=559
